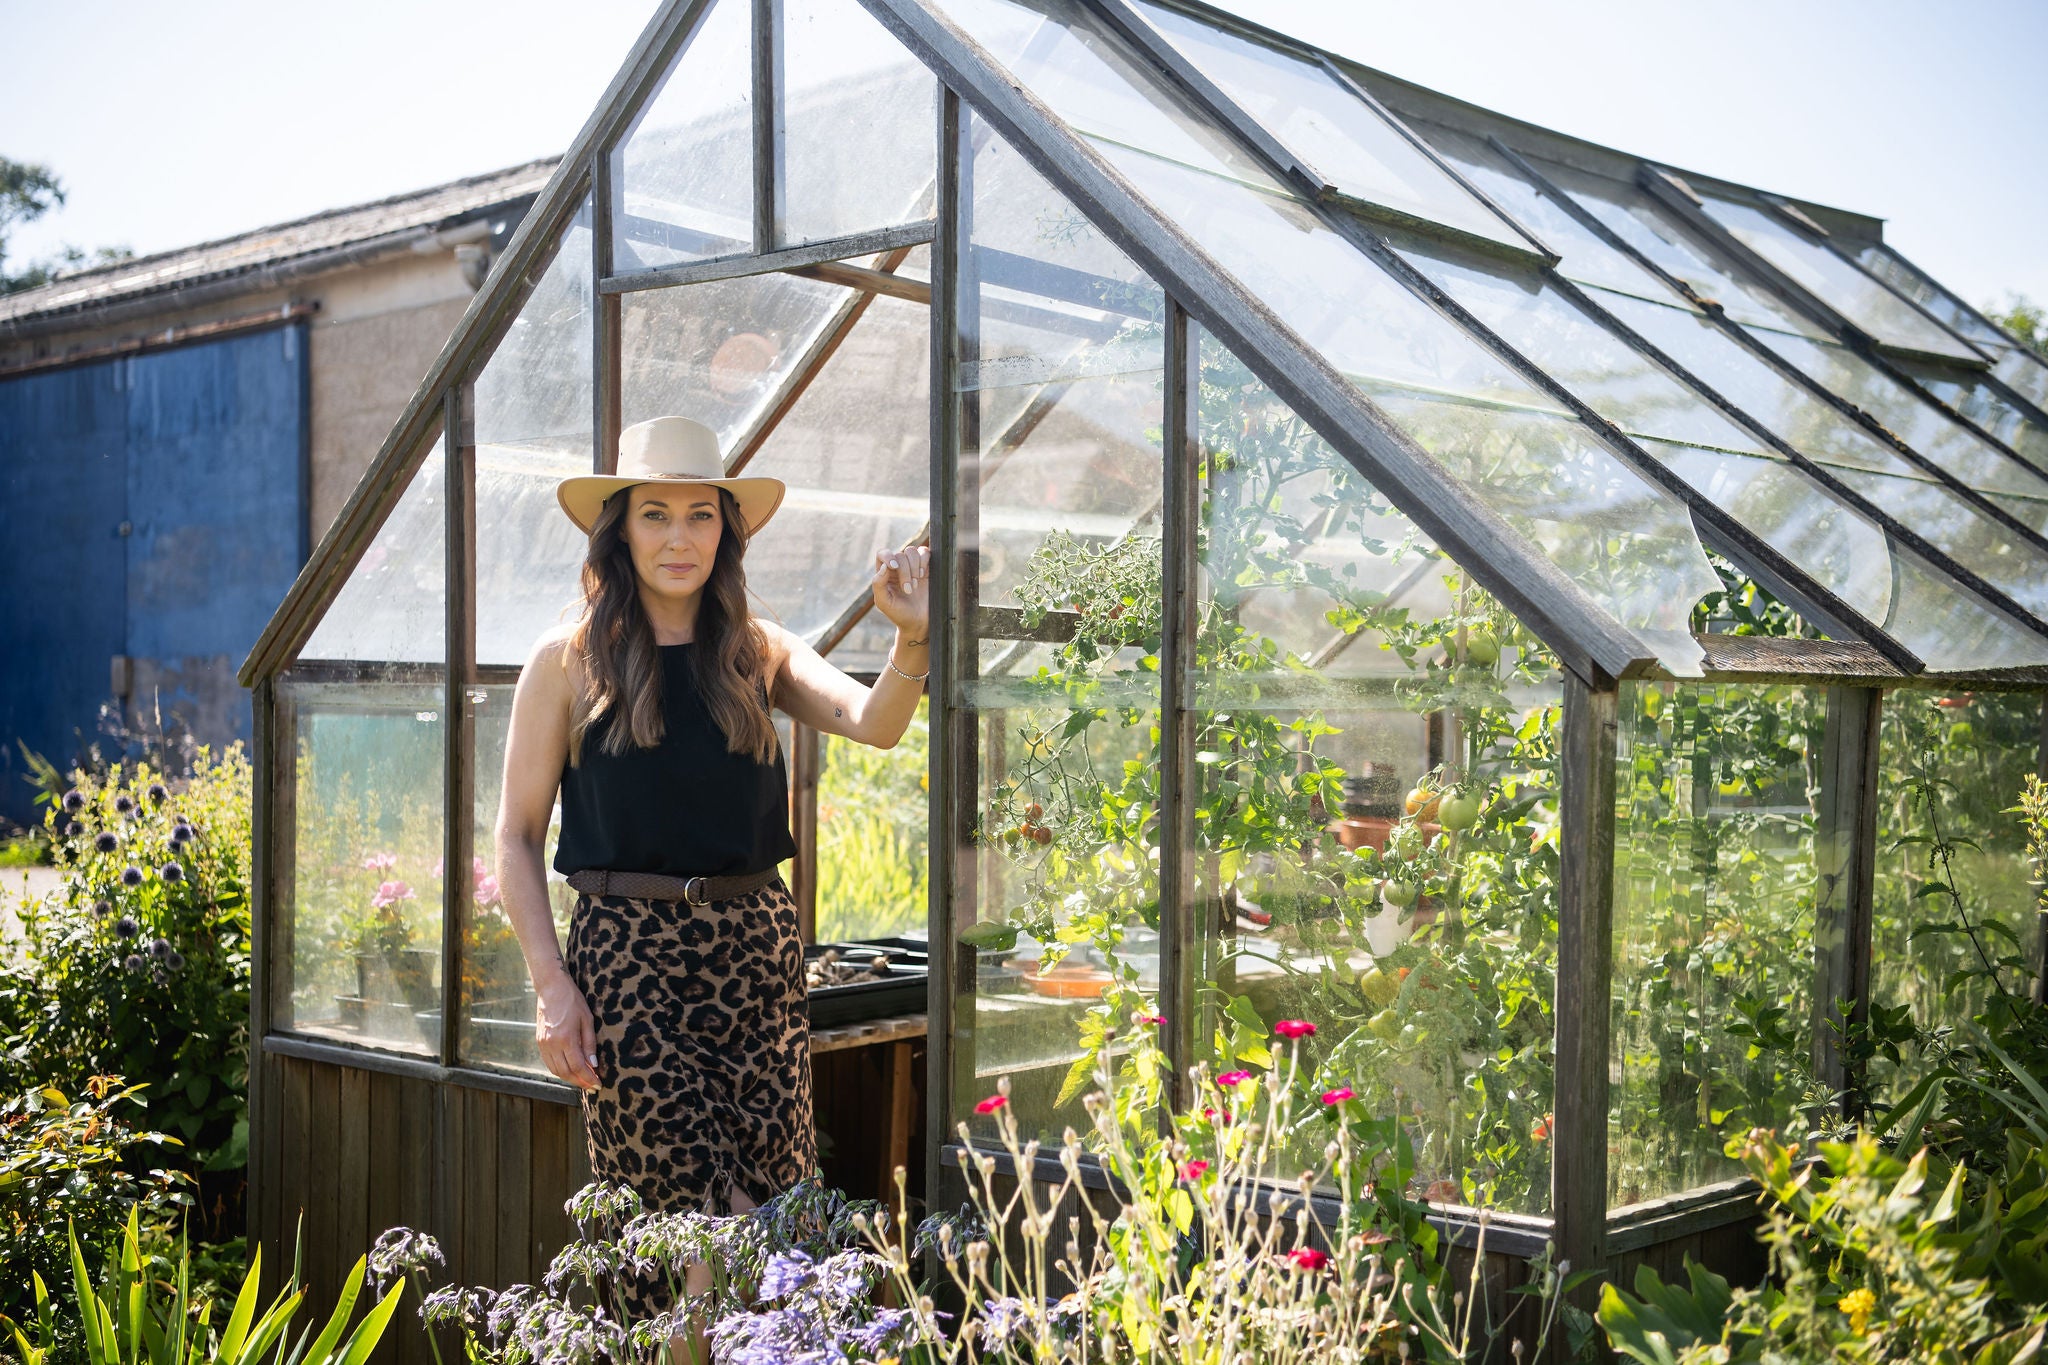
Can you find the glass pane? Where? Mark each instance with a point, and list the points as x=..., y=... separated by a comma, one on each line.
x=1918, y=423
x=1838, y=547
x=1607, y=373
x=1978, y=748
x=1714, y=926
x=855, y=451
x=362, y=918
x=1881, y=261
x=1634, y=217
x=1059, y=489
x=1586, y=257
x=855, y=126
x=2027, y=374
x=874, y=836
x=1977, y=400
x=1833, y=280
x=394, y=606
x=684, y=172
x=533, y=427
x=1949, y=627
x=721, y=352
x=1310, y=112
x=1417, y=932
x=1965, y=534
x=497, y=993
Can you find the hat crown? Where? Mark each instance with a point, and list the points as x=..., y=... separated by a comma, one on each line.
x=670, y=448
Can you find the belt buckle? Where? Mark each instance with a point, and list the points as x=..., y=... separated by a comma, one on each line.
x=693, y=892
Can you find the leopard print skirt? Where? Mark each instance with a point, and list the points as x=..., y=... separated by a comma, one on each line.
x=703, y=1047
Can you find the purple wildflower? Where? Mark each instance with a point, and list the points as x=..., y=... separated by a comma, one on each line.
x=72, y=829
x=133, y=962
x=786, y=1273
x=131, y=876
x=106, y=841
x=124, y=803
x=159, y=947
x=158, y=793
x=101, y=909
x=126, y=926
x=172, y=872
x=175, y=960
x=74, y=800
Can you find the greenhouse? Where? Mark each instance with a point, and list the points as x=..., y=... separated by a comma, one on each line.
x=1522, y=608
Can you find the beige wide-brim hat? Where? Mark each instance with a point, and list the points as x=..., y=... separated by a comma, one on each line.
x=667, y=450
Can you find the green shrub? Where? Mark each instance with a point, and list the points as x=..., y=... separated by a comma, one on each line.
x=138, y=965
x=66, y=1162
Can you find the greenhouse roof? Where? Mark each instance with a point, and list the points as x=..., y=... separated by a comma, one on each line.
x=1579, y=373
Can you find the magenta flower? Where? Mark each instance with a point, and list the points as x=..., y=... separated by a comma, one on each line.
x=1294, y=1028
x=991, y=1104
x=1194, y=1170
x=1233, y=1077
x=1308, y=1258
x=1339, y=1095
x=390, y=893
x=1156, y=1020
x=379, y=862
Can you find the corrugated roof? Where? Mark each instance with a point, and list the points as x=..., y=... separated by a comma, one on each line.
x=268, y=246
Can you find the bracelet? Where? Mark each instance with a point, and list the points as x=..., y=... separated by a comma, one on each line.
x=913, y=677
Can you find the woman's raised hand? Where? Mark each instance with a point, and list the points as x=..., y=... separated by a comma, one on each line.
x=902, y=588
x=563, y=1028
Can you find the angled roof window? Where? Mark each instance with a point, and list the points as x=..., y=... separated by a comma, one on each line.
x=1902, y=275
x=1629, y=544
x=1836, y=282
x=1357, y=152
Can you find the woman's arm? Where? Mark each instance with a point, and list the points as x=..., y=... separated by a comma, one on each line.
x=811, y=690
x=535, y=749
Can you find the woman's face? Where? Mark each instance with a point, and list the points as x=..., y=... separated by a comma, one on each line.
x=672, y=531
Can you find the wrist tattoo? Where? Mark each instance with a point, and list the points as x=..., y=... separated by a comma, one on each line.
x=913, y=644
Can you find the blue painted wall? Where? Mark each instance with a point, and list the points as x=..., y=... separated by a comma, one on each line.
x=154, y=508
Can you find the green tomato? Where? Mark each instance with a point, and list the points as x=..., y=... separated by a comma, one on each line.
x=1378, y=987
x=1962, y=732
x=1482, y=649
x=1400, y=895
x=1460, y=810
x=1385, y=1026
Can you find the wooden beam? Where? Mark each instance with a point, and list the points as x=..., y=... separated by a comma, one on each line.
x=1182, y=927
x=866, y=280
x=846, y=248
x=806, y=746
x=457, y=727
x=1585, y=972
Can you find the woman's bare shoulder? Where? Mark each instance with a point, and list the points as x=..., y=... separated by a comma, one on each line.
x=554, y=659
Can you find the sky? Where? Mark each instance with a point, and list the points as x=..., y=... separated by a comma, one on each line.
x=175, y=123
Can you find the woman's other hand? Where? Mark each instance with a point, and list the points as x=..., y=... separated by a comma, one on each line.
x=902, y=588
x=564, y=1031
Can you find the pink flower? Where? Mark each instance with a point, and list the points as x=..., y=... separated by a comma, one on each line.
x=1233, y=1077
x=1194, y=1170
x=1156, y=1020
x=1294, y=1028
x=487, y=890
x=991, y=1104
x=378, y=862
x=1215, y=1115
x=1339, y=1095
x=1308, y=1258
x=390, y=893
x=478, y=866
x=438, y=869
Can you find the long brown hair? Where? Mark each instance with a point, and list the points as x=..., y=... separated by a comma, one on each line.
x=614, y=643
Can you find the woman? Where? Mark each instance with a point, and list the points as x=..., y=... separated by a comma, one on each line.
x=679, y=1007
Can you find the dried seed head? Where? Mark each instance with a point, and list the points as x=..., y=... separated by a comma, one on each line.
x=1003, y=1086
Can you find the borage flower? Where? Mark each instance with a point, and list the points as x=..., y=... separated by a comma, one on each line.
x=1308, y=1258
x=1294, y=1028
x=1339, y=1095
x=991, y=1104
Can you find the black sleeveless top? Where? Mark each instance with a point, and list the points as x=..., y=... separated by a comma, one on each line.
x=688, y=807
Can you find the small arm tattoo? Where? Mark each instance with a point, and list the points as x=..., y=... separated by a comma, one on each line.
x=839, y=711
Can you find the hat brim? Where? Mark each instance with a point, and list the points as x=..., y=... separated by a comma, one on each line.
x=583, y=495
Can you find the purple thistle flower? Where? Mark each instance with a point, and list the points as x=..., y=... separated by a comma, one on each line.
x=172, y=872
x=133, y=962
x=131, y=876
x=106, y=841
x=159, y=793
x=124, y=803
x=74, y=800
x=72, y=829
x=160, y=947
x=126, y=926
x=175, y=960
x=181, y=834
x=101, y=909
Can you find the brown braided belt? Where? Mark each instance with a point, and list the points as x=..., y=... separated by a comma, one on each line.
x=650, y=886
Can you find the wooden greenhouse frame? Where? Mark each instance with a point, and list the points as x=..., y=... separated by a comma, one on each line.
x=361, y=1138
